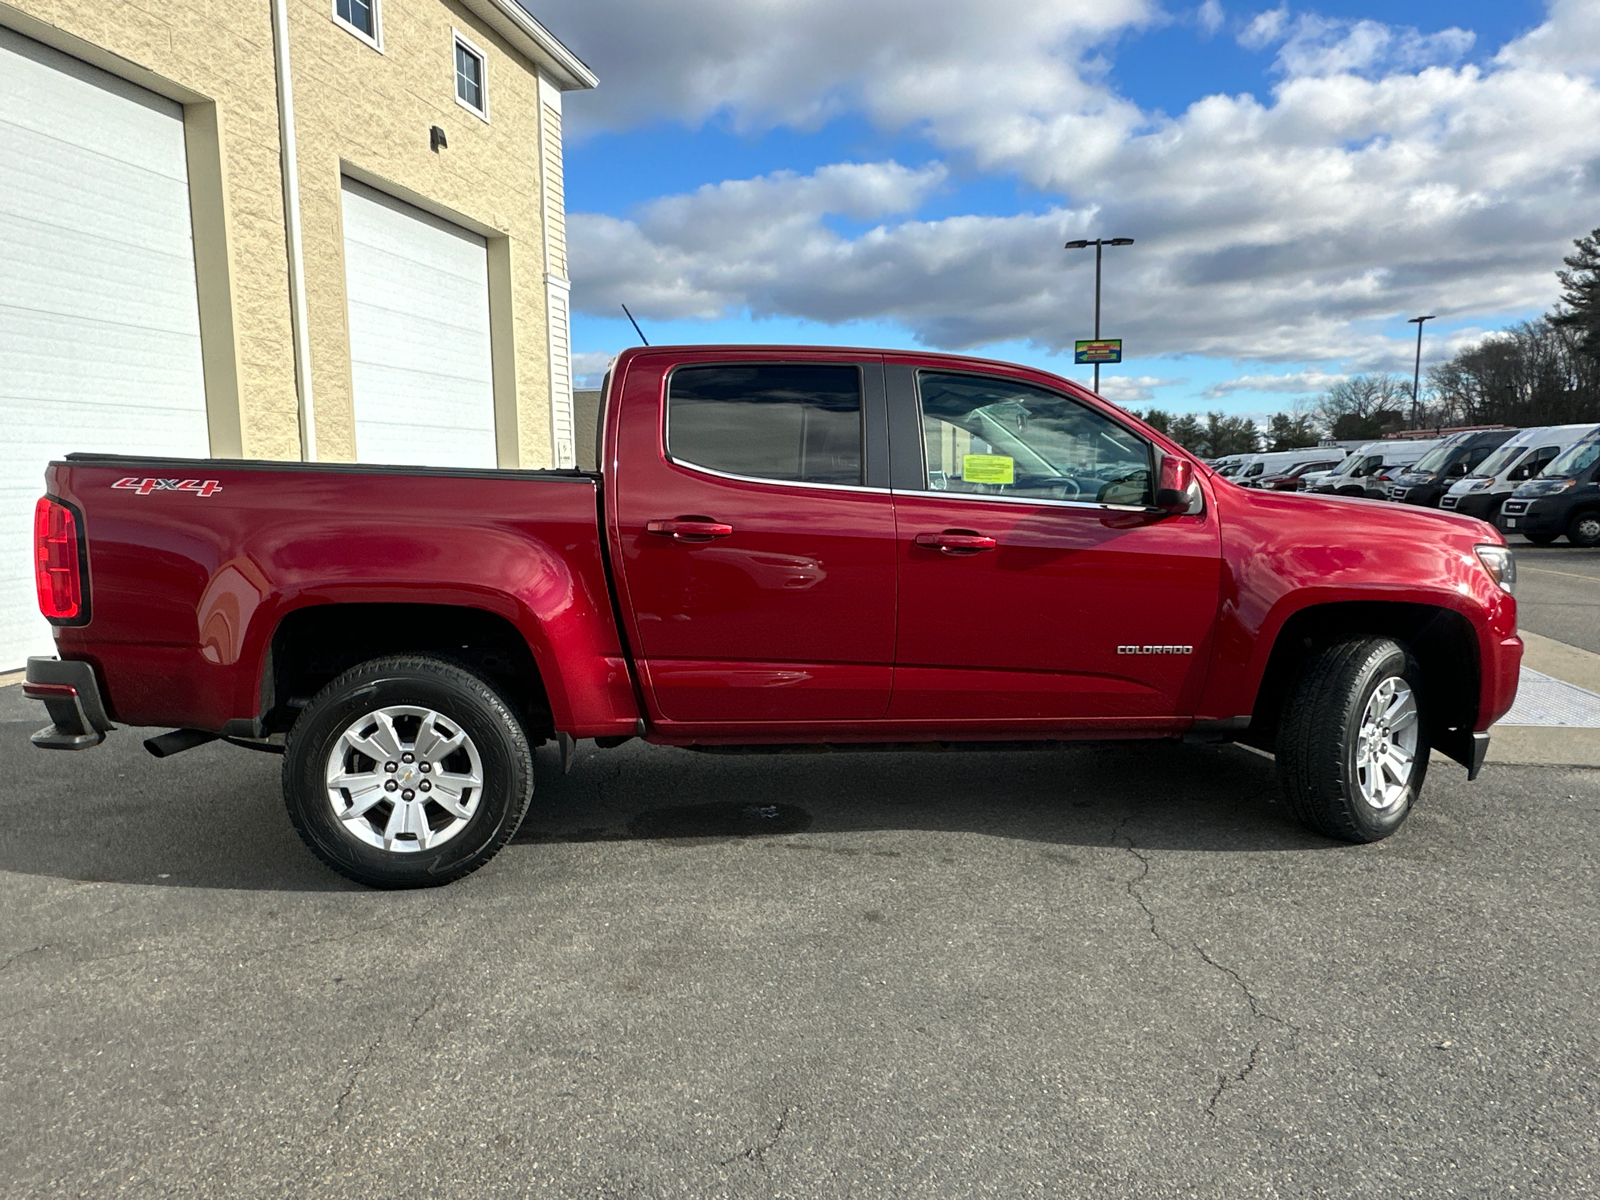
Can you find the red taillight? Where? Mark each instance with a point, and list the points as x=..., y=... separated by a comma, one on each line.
x=55, y=562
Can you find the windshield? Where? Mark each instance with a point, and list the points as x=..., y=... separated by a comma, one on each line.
x=1228, y=469
x=1573, y=461
x=1498, y=463
x=1307, y=468
x=1358, y=464
x=1435, y=459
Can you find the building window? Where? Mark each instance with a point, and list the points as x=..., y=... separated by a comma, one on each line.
x=360, y=17
x=472, y=89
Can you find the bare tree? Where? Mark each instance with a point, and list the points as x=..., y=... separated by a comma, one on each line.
x=1363, y=406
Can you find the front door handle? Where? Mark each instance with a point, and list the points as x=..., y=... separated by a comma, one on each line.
x=955, y=541
x=690, y=529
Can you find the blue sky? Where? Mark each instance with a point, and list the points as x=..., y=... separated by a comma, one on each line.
x=1353, y=168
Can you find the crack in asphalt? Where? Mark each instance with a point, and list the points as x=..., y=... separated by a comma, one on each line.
x=1257, y=1011
x=355, y=1076
x=758, y=1154
x=1228, y=1080
x=20, y=954
x=1132, y=885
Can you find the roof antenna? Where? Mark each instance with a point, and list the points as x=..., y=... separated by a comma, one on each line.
x=635, y=325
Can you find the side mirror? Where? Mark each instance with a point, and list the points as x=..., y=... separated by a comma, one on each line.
x=1177, y=478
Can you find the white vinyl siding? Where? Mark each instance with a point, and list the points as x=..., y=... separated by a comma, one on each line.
x=557, y=307
x=418, y=293
x=99, y=324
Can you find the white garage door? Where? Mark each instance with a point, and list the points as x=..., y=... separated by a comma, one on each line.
x=419, y=334
x=99, y=326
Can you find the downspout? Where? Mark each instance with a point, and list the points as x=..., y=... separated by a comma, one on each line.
x=291, y=224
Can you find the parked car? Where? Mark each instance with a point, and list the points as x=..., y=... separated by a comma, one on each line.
x=1452, y=459
x=1565, y=498
x=1519, y=459
x=1294, y=479
x=1279, y=462
x=785, y=547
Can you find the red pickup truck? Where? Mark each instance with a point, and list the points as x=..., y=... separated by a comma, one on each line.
x=782, y=547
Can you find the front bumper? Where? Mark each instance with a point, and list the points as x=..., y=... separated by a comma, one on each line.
x=1531, y=518
x=1482, y=505
x=72, y=698
x=1425, y=494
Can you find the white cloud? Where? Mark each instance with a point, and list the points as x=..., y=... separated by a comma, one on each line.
x=589, y=368
x=1134, y=389
x=1265, y=28
x=799, y=62
x=1300, y=382
x=1375, y=182
x=1209, y=17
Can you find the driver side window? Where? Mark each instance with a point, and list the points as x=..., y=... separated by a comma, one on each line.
x=998, y=438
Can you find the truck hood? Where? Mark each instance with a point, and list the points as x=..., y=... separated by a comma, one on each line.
x=1335, y=520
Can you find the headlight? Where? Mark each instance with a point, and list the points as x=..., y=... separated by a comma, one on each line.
x=1501, y=565
x=1478, y=485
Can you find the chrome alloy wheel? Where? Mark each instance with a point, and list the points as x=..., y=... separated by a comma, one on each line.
x=404, y=778
x=1386, y=746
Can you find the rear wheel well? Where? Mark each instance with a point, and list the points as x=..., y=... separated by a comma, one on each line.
x=313, y=646
x=1443, y=641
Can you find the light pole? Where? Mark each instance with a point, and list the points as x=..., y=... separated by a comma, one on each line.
x=1416, y=373
x=1099, y=245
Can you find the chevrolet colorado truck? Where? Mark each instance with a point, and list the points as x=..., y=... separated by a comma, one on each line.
x=782, y=548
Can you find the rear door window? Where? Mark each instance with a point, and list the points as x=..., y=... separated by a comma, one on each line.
x=789, y=423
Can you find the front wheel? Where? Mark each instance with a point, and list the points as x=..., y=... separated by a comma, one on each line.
x=1584, y=530
x=1540, y=539
x=1353, y=743
x=406, y=772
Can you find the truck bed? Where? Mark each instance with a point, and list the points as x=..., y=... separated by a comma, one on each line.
x=195, y=564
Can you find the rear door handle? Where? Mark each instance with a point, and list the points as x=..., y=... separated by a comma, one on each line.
x=953, y=541
x=686, y=529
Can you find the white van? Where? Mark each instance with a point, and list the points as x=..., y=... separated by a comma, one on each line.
x=1517, y=460
x=1366, y=472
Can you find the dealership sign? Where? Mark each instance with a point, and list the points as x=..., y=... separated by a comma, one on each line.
x=1108, y=350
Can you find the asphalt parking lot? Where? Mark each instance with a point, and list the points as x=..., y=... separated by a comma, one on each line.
x=1111, y=971
x=1558, y=592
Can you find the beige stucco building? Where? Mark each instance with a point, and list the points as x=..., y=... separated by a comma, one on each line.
x=321, y=229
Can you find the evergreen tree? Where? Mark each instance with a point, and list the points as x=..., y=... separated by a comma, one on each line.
x=1230, y=435
x=1290, y=431
x=1157, y=419
x=1580, y=296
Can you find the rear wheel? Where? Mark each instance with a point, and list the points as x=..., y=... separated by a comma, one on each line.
x=407, y=772
x=1353, y=744
x=1584, y=529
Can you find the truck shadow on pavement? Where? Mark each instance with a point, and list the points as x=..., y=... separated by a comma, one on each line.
x=1179, y=797
x=213, y=818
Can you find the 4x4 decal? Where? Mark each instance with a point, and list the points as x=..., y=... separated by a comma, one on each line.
x=199, y=487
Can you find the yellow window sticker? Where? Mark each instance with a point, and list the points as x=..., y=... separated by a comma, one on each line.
x=988, y=468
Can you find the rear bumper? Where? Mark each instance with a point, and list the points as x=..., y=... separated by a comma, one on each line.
x=72, y=698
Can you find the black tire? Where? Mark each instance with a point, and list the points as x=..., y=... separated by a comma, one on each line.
x=463, y=701
x=1541, y=539
x=1584, y=529
x=1319, y=739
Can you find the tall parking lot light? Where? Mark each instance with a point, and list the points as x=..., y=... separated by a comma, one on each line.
x=1099, y=245
x=1416, y=372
